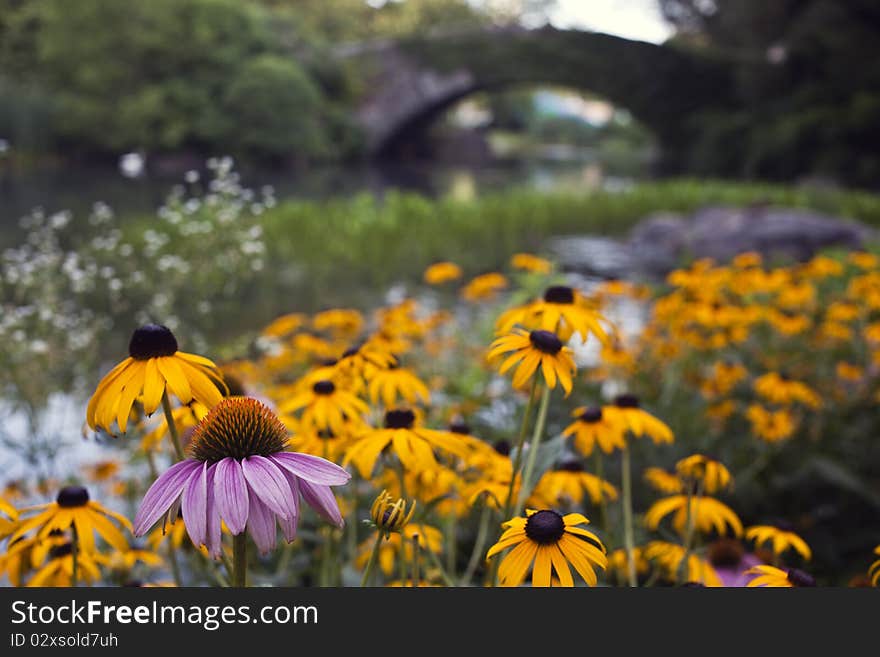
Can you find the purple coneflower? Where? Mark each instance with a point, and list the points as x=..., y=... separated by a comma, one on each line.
x=240, y=473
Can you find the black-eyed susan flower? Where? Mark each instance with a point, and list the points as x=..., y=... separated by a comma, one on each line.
x=401, y=544
x=773, y=577
x=779, y=389
x=59, y=569
x=441, y=272
x=771, y=426
x=364, y=359
x=397, y=383
x=530, y=351
x=663, y=481
x=102, y=470
x=562, y=310
x=531, y=263
x=238, y=472
x=617, y=563
x=781, y=538
x=706, y=514
x=413, y=444
x=7, y=523
x=874, y=569
x=153, y=367
x=591, y=428
x=323, y=406
x=703, y=472
x=548, y=542
x=669, y=557
x=283, y=326
x=566, y=485
x=629, y=417
x=484, y=287
x=72, y=509
x=340, y=322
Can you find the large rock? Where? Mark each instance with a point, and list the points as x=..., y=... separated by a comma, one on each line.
x=663, y=241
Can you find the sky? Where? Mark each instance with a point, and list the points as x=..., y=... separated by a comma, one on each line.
x=633, y=19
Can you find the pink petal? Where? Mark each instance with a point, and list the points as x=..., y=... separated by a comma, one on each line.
x=321, y=499
x=213, y=537
x=312, y=468
x=288, y=526
x=266, y=481
x=231, y=494
x=261, y=525
x=195, y=505
x=162, y=494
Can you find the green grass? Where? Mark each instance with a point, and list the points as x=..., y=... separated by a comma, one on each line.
x=366, y=242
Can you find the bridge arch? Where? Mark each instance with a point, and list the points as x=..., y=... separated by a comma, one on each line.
x=410, y=83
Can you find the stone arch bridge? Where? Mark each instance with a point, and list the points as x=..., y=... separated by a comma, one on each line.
x=410, y=83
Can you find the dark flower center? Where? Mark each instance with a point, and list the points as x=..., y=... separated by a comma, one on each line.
x=725, y=552
x=502, y=447
x=694, y=585
x=324, y=388
x=351, y=351
x=152, y=341
x=591, y=415
x=799, y=578
x=571, y=465
x=62, y=550
x=460, y=427
x=546, y=341
x=237, y=427
x=559, y=294
x=71, y=496
x=326, y=434
x=626, y=401
x=400, y=419
x=545, y=527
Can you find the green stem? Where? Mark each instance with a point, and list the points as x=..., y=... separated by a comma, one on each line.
x=74, y=555
x=479, y=545
x=239, y=560
x=172, y=560
x=451, y=544
x=527, y=483
x=439, y=566
x=683, y=569
x=369, y=569
x=603, y=507
x=520, y=443
x=172, y=428
x=628, y=540
x=415, y=563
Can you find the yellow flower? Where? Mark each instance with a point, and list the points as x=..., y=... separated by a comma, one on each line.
x=441, y=272
x=771, y=426
x=770, y=576
x=723, y=378
x=395, y=383
x=565, y=487
x=58, y=570
x=781, y=539
x=669, y=557
x=552, y=542
x=325, y=407
x=127, y=559
x=7, y=524
x=747, y=259
x=154, y=364
x=626, y=414
x=562, y=310
x=703, y=471
x=484, y=287
x=363, y=360
x=531, y=263
x=184, y=417
x=781, y=390
x=592, y=427
x=102, y=470
x=706, y=513
x=413, y=444
x=533, y=350
x=73, y=509
x=390, y=515
x=863, y=259
x=390, y=550
x=874, y=570
x=618, y=563
x=340, y=322
x=788, y=323
x=663, y=481
x=284, y=325
x=849, y=372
